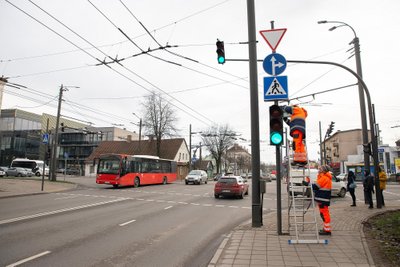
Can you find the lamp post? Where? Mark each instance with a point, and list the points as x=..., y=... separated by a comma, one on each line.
x=356, y=43
x=140, y=129
x=190, y=145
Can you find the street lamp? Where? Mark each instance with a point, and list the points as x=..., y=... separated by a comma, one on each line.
x=140, y=129
x=356, y=43
x=190, y=145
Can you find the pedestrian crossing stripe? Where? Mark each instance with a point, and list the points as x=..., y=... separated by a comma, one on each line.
x=275, y=87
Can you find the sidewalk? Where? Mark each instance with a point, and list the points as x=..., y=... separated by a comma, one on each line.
x=247, y=246
x=18, y=187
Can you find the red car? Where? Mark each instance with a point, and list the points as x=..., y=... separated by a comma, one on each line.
x=234, y=186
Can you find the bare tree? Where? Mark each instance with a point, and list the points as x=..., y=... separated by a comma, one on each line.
x=159, y=118
x=218, y=139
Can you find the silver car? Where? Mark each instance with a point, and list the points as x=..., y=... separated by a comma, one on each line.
x=196, y=177
x=16, y=171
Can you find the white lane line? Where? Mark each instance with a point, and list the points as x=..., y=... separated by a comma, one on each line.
x=59, y=211
x=70, y=197
x=29, y=259
x=195, y=204
x=183, y=203
x=128, y=222
x=166, y=208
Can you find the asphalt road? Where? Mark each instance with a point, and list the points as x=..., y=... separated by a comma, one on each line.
x=96, y=225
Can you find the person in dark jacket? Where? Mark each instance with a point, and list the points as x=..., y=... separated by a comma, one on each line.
x=368, y=184
x=351, y=179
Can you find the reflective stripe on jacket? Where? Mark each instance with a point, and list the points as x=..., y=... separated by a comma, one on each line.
x=322, y=188
x=297, y=119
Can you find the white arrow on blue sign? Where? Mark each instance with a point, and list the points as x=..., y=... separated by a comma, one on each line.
x=274, y=64
x=276, y=88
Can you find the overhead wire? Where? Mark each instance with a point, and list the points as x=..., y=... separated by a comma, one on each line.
x=137, y=75
x=123, y=75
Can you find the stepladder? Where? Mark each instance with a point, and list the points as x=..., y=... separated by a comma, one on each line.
x=302, y=215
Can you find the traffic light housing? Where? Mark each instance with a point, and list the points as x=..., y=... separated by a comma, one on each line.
x=220, y=52
x=367, y=149
x=276, y=125
x=62, y=127
x=330, y=129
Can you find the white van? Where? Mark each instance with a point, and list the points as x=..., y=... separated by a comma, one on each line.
x=36, y=166
x=338, y=186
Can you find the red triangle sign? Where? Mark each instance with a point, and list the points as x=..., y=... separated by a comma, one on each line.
x=273, y=37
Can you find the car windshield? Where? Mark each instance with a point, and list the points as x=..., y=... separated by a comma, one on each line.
x=227, y=180
x=195, y=172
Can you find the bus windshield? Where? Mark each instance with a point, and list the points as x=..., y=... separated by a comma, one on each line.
x=109, y=166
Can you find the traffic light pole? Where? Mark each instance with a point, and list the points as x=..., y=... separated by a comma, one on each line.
x=255, y=129
x=278, y=186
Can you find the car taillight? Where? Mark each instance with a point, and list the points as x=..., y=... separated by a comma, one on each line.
x=218, y=185
x=236, y=185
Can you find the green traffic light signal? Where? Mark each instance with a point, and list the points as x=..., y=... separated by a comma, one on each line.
x=220, y=52
x=276, y=138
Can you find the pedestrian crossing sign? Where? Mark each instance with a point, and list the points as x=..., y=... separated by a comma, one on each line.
x=275, y=88
x=45, y=139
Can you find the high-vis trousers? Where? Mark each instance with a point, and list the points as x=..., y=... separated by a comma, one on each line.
x=326, y=217
x=300, y=154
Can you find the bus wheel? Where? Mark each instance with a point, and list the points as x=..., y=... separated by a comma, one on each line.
x=136, y=182
x=164, y=180
x=115, y=185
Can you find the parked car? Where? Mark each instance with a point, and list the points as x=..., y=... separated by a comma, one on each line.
x=29, y=172
x=72, y=171
x=338, y=186
x=217, y=176
x=342, y=176
x=16, y=171
x=2, y=173
x=4, y=169
x=196, y=177
x=234, y=186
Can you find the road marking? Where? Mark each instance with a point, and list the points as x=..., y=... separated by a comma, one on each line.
x=184, y=203
x=166, y=208
x=29, y=259
x=69, y=197
x=128, y=222
x=22, y=218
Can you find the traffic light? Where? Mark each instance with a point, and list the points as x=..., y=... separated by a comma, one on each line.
x=330, y=129
x=367, y=149
x=275, y=125
x=62, y=127
x=220, y=52
x=48, y=153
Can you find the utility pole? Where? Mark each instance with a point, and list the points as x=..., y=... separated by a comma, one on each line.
x=140, y=130
x=54, y=156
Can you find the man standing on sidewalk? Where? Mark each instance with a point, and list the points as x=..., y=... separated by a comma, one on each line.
x=322, y=188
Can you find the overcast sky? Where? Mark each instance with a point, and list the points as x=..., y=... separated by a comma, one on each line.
x=40, y=53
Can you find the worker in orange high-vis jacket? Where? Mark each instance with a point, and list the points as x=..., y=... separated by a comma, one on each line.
x=297, y=123
x=322, y=188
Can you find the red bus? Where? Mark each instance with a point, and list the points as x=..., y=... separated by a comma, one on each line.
x=126, y=170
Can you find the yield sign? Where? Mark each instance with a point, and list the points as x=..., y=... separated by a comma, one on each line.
x=273, y=37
